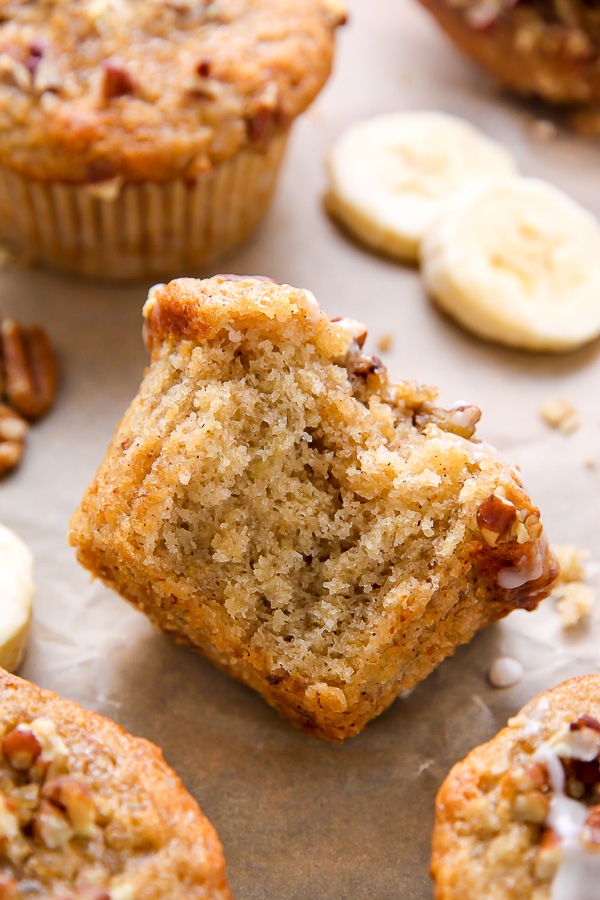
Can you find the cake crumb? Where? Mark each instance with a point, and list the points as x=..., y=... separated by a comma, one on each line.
x=385, y=343
x=570, y=559
x=573, y=597
x=590, y=461
x=574, y=602
x=505, y=672
x=559, y=413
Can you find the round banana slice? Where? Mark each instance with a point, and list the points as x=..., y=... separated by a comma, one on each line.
x=518, y=262
x=16, y=598
x=390, y=176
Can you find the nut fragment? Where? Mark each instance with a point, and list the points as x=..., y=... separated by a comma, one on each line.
x=585, y=721
x=21, y=748
x=75, y=799
x=356, y=330
x=9, y=820
x=55, y=754
x=13, y=430
x=29, y=369
x=117, y=81
x=531, y=807
x=51, y=827
x=495, y=518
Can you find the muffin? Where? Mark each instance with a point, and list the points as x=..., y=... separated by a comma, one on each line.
x=272, y=498
x=141, y=139
x=88, y=812
x=519, y=818
x=546, y=48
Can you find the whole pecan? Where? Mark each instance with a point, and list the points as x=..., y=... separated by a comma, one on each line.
x=13, y=431
x=29, y=373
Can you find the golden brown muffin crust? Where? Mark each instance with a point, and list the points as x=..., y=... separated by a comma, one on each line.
x=492, y=839
x=96, y=89
x=273, y=498
x=88, y=812
x=548, y=48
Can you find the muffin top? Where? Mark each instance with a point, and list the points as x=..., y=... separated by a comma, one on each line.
x=92, y=90
x=88, y=812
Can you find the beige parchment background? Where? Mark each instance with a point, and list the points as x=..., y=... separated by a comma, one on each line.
x=300, y=819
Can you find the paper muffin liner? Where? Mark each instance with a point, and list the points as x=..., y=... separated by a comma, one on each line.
x=131, y=230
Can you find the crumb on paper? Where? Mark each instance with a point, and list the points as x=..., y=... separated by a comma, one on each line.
x=571, y=562
x=573, y=597
x=543, y=129
x=505, y=672
x=590, y=461
x=385, y=343
x=574, y=602
x=559, y=413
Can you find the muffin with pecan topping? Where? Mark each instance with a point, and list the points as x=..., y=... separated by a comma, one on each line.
x=275, y=499
x=145, y=138
x=520, y=816
x=548, y=48
x=88, y=812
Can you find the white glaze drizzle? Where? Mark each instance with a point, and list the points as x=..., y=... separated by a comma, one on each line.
x=578, y=875
x=527, y=569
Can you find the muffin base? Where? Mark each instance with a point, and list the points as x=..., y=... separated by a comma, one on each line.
x=136, y=230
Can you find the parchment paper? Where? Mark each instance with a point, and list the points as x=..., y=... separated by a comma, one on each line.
x=300, y=819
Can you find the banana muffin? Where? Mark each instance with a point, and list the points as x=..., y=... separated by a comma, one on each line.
x=88, y=812
x=519, y=818
x=139, y=139
x=323, y=534
x=548, y=48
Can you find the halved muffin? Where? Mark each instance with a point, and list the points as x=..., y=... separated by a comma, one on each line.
x=322, y=533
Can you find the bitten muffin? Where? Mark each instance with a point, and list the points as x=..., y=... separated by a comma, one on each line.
x=140, y=139
x=325, y=535
x=548, y=48
x=519, y=818
x=88, y=812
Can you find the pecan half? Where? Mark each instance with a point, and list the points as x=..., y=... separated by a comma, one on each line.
x=29, y=369
x=51, y=827
x=460, y=420
x=495, y=518
x=21, y=748
x=13, y=431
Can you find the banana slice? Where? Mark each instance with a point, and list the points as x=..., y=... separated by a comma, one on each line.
x=390, y=176
x=518, y=262
x=16, y=598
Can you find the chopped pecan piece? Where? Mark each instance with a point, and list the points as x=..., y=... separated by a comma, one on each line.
x=495, y=518
x=9, y=819
x=585, y=721
x=117, y=81
x=21, y=748
x=356, y=329
x=50, y=826
x=29, y=369
x=460, y=420
x=13, y=431
x=76, y=800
